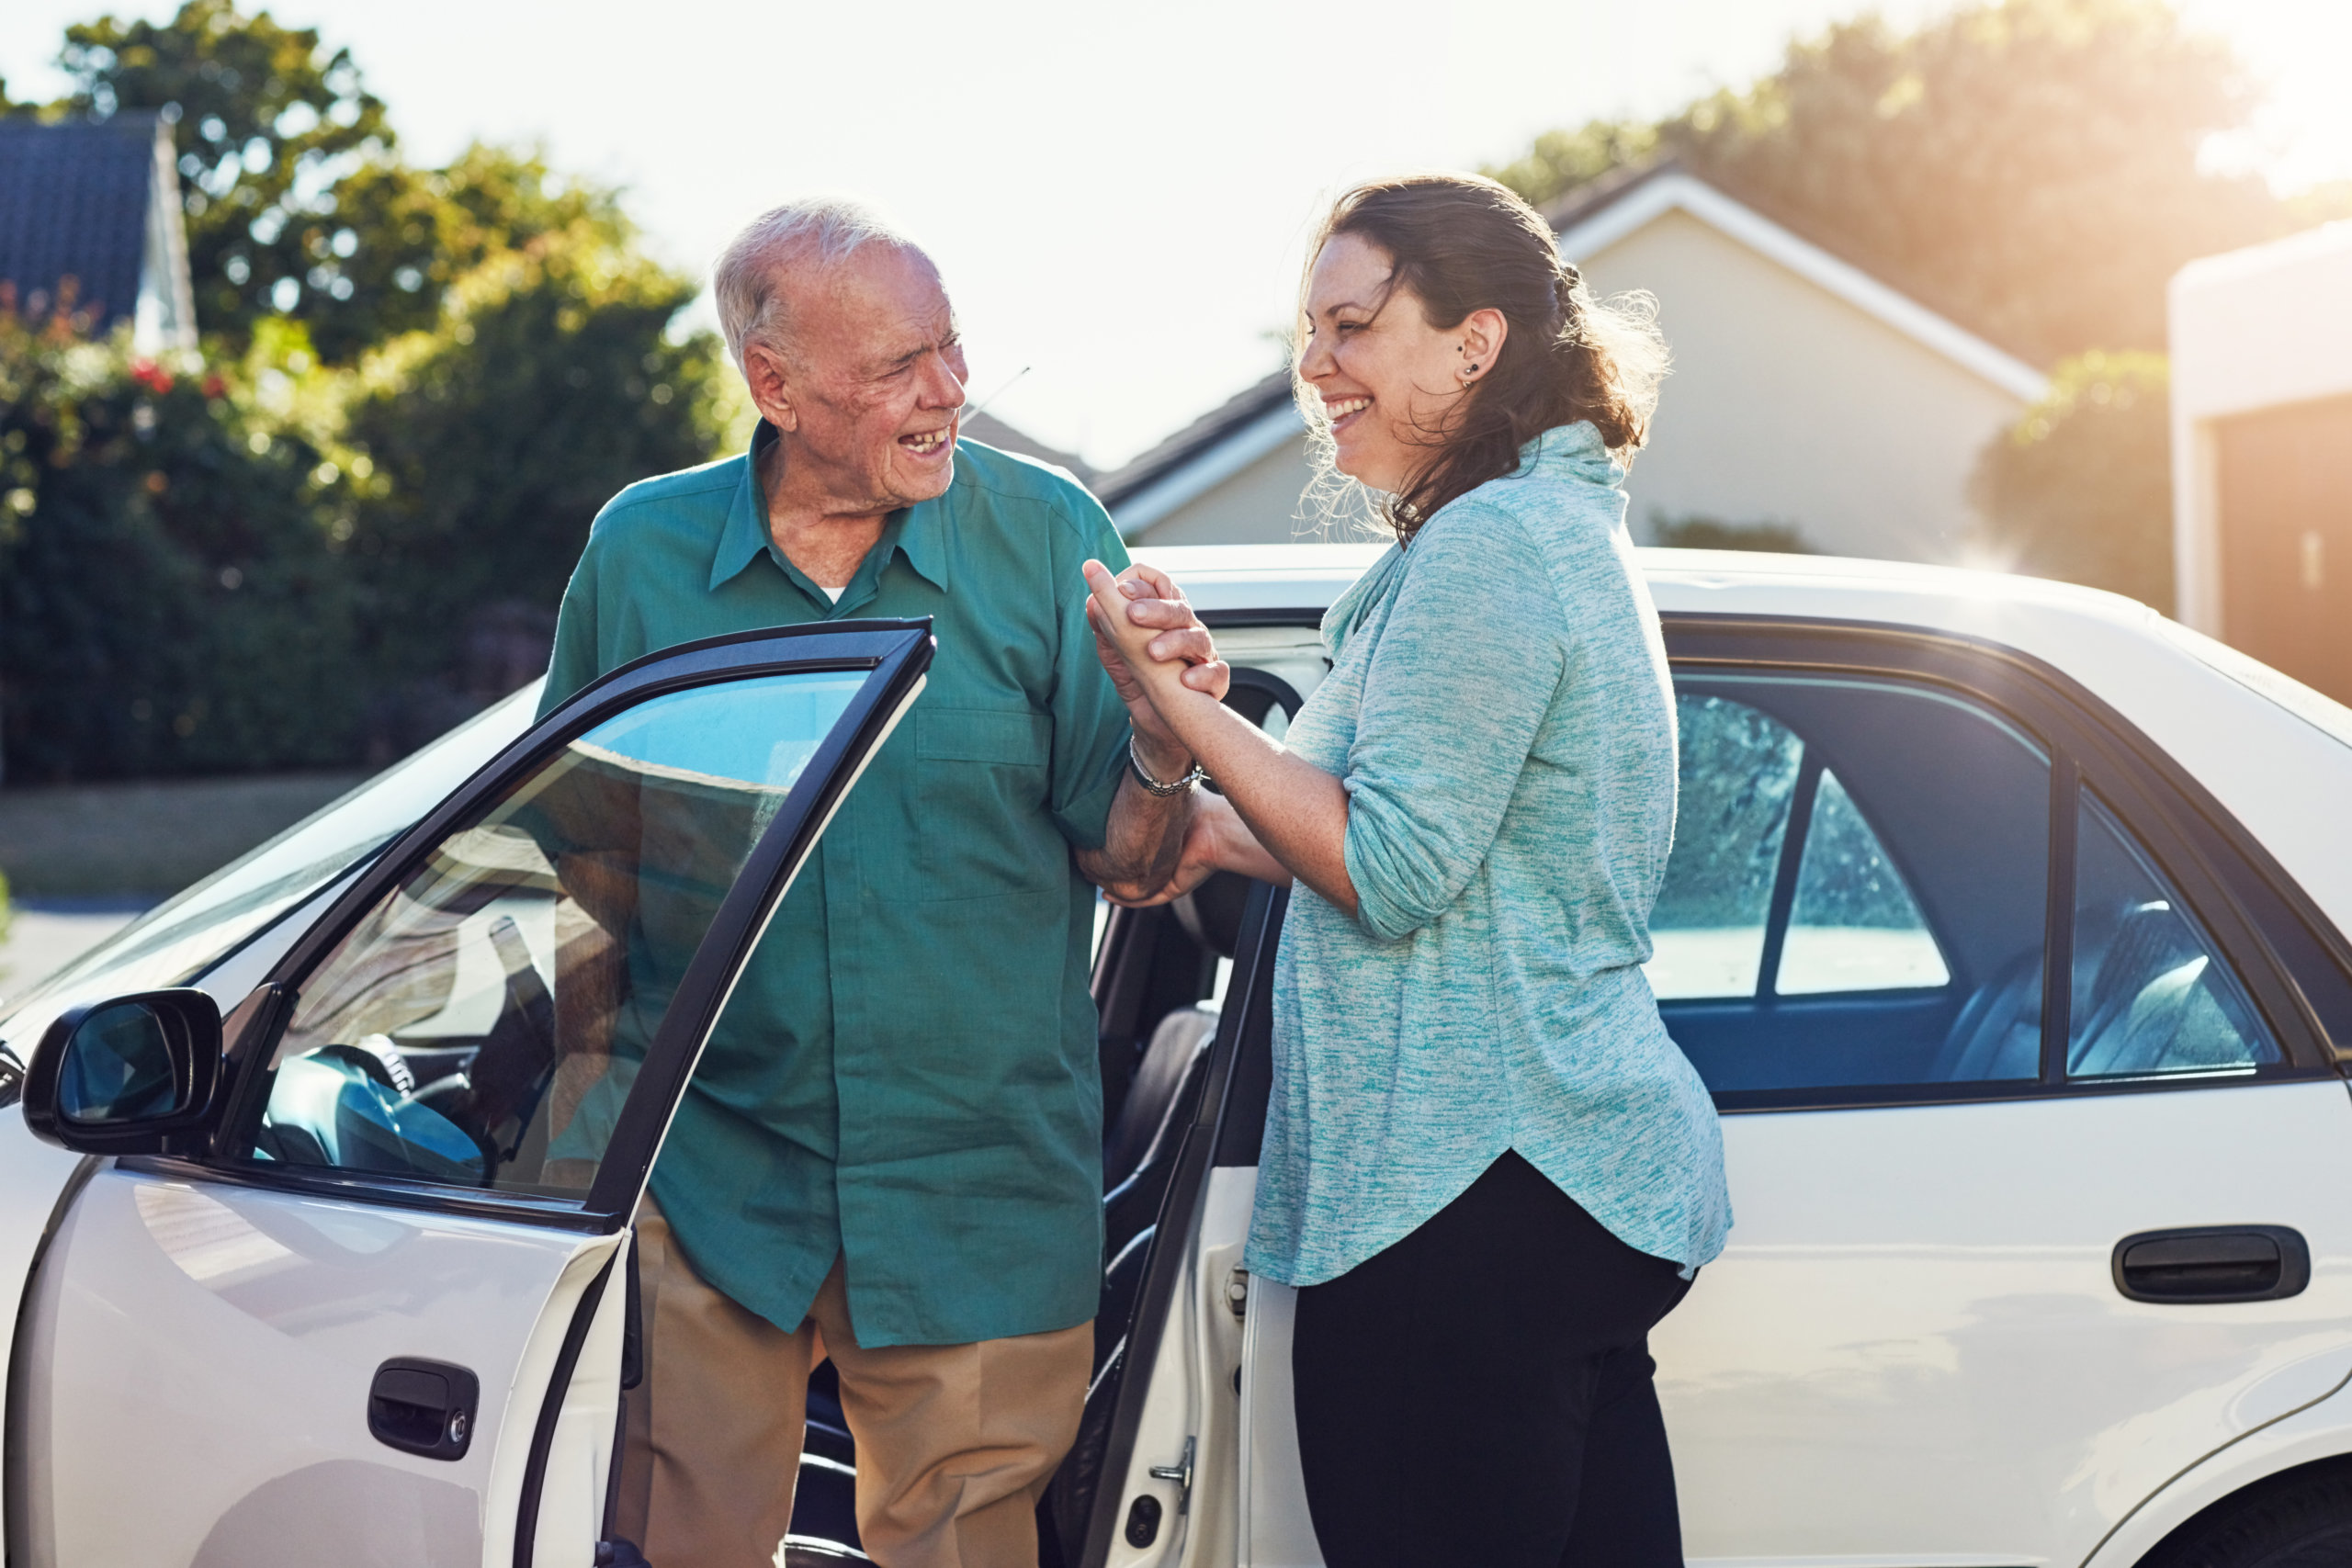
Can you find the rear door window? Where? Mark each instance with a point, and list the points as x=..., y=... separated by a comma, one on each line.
x=1858, y=888
x=1854, y=925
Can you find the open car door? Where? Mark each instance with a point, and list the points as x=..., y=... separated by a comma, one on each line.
x=345, y=1276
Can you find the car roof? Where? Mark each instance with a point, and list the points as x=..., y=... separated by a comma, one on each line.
x=2276, y=753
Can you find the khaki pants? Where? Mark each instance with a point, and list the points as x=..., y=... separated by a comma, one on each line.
x=955, y=1442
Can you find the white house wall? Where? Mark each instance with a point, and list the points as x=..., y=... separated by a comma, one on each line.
x=1787, y=404
x=1258, y=505
x=2254, y=329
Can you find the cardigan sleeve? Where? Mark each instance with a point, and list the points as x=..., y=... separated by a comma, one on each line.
x=1468, y=666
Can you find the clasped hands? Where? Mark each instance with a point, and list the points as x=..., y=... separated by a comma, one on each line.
x=1166, y=668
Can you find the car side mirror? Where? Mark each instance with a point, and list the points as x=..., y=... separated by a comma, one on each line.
x=127, y=1077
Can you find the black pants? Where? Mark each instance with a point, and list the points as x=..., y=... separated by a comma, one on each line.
x=1478, y=1395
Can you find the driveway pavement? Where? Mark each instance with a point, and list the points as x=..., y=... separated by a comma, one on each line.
x=44, y=937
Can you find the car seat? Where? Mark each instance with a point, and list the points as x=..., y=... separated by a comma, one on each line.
x=1998, y=1033
x=2145, y=978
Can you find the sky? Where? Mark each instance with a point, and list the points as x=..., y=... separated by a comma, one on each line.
x=1118, y=194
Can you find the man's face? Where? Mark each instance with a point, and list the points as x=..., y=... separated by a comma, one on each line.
x=868, y=390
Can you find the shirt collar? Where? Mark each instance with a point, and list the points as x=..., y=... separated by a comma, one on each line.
x=1574, y=449
x=918, y=532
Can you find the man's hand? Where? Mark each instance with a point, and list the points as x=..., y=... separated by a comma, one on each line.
x=1196, y=864
x=1154, y=604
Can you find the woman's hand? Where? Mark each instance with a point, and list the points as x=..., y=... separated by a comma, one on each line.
x=1164, y=630
x=1295, y=810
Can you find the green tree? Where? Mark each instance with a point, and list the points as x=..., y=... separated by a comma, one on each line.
x=2080, y=489
x=267, y=123
x=298, y=204
x=416, y=232
x=2030, y=168
x=550, y=382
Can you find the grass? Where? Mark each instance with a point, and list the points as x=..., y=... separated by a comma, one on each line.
x=147, y=839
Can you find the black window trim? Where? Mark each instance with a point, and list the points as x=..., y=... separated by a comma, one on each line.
x=899, y=651
x=2089, y=744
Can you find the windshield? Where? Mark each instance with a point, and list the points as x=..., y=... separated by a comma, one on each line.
x=177, y=941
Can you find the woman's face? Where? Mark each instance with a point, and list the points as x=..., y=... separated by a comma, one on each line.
x=1389, y=381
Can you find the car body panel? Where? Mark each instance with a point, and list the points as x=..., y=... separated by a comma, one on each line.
x=199, y=1306
x=1914, y=1345
x=1933, y=1366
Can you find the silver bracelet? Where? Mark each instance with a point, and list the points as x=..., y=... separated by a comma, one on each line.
x=1135, y=765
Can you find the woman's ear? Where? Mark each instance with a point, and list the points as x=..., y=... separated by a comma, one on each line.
x=1482, y=333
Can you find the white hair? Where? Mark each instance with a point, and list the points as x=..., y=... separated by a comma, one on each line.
x=816, y=233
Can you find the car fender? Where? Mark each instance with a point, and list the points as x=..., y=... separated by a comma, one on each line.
x=2319, y=1429
x=36, y=1180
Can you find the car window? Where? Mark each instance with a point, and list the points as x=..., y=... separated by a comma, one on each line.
x=1858, y=888
x=1854, y=925
x=482, y=1022
x=2152, y=994
x=1739, y=771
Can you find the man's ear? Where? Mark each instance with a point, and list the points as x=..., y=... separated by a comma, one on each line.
x=765, y=374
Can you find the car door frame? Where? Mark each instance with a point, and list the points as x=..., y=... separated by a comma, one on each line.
x=893, y=655
x=2297, y=967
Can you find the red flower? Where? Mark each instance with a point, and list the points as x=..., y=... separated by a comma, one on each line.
x=214, y=386
x=149, y=375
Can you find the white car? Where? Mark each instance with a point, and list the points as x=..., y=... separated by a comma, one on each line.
x=2005, y=919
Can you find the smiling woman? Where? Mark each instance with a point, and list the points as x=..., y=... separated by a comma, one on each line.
x=1435, y=349
x=1480, y=1142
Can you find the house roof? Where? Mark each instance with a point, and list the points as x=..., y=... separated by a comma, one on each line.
x=1260, y=416
x=1592, y=218
x=1595, y=218
x=73, y=201
x=990, y=431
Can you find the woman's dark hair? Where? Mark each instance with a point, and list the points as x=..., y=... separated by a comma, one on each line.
x=1459, y=243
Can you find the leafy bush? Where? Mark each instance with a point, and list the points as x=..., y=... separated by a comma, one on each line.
x=1699, y=532
x=168, y=603
x=2080, y=489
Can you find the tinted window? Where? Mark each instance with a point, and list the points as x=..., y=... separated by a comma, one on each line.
x=1857, y=894
x=1738, y=775
x=481, y=1024
x=2152, y=994
x=1854, y=925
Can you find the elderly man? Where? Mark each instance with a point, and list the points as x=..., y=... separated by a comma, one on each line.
x=893, y=1139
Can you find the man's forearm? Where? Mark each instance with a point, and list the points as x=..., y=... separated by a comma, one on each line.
x=1145, y=839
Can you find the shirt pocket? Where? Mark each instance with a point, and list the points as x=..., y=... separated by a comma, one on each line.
x=982, y=823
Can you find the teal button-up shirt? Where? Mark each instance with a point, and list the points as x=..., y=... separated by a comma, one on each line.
x=1500, y=711
x=906, y=1075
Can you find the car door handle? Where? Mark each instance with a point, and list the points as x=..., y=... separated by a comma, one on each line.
x=424, y=1407
x=2212, y=1264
